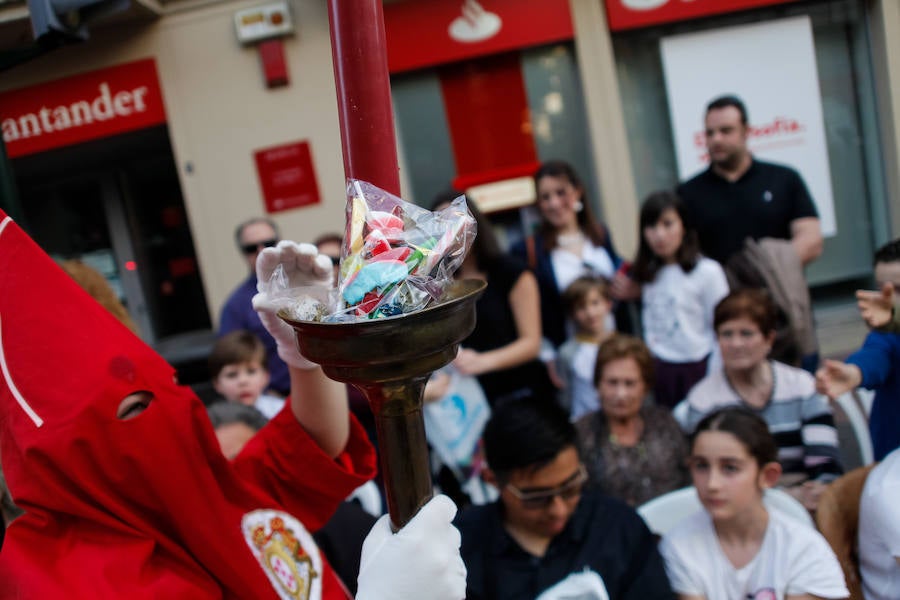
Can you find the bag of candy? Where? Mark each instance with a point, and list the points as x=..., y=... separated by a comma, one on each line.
x=396, y=258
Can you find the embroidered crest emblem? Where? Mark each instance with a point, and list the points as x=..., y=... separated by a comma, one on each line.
x=286, y=552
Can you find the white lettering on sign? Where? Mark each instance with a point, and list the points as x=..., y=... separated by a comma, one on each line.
x=104, y=107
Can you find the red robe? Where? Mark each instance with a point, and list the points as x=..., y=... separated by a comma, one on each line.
x=147, y=507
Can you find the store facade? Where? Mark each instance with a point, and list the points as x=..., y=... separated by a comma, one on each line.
x=523, y=81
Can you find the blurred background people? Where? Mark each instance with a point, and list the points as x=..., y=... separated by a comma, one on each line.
x=568, y=243
x=679, y=291
x=95, y=284
x=633, y=449
x=879, y=530
x=799, y=418
x=875, y=366
x=235, y=424
x=251, y=237
x=237, y=364
x=588, y=304
x=503, y=349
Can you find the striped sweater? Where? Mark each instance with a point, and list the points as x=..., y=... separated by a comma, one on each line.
x=798, y=417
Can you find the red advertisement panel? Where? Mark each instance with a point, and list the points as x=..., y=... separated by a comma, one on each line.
x=631, y=14
x=487, y=113
x=287, y=176
x=427, y=33
x=81, y=108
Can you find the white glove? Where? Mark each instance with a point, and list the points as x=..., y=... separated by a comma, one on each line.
x=302, y=266
x=421, y=560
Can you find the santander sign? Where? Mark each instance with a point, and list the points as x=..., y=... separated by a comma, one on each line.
x=81, y=108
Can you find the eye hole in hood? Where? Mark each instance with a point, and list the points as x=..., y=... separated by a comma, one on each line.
x=134, y=404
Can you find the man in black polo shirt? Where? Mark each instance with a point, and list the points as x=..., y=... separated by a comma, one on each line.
x=739, y=196
x=547, y=537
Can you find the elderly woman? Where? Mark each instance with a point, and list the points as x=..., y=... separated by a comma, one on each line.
x=633, y=450
x=784, y=396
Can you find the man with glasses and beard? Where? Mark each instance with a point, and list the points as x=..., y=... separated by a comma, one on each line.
x=251, y=237
x=548, y=536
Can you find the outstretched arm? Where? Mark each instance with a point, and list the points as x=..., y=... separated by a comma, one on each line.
x=877, y=308
x=835, y=378
x=318, y=403
x=524, y=300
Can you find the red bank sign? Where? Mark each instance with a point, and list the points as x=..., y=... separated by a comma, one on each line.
x=423, y=33
x=631, y=14
x=81, y=108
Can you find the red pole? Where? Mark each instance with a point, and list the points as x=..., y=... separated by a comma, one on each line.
x=364, y=92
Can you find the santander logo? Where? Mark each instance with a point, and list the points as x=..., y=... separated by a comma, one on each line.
x=105, y=106
x=475, y=24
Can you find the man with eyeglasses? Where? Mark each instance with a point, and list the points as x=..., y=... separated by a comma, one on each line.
x=251, y=237
x=549, y=536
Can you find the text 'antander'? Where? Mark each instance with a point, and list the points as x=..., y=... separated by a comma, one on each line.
x=104, y=107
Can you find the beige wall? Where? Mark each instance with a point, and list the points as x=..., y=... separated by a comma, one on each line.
x=219, y=112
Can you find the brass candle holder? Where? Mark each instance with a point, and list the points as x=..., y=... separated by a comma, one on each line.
x=390, y=360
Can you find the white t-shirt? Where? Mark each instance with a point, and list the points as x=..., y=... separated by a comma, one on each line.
x=268, y=405
x=678, y=311
x=584, y=395
x=879, y=531
x=793, y=559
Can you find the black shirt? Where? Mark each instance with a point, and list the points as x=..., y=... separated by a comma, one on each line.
x=760, y=204
x=603, y=535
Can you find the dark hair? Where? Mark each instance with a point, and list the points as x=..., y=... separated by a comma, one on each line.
x=526, y=433
x=725, y=102
x=239, y=230
x=328, y=238
x=753, y=303
x=647, y=264
x=586, y=221
x=485, y=247
x=234, y=348
x=227, y=413
x=575, y=295
x=748, y=427
x=620, y=346
x=890, y=252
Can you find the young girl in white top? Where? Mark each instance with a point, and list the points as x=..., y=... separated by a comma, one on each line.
x=680, y=289
x=736, y=548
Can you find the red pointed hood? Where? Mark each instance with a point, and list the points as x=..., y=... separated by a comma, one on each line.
x=72, y=464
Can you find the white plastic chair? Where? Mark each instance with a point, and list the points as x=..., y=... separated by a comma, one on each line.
x=859, y=423
x=663, y=513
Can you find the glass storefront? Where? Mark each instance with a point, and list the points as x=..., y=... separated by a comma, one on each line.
x=116, y=205
x=848, y=103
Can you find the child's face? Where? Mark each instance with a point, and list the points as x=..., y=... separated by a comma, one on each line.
x=242, y=382
x=888, y=272
x=665, y=236
x=727, y=477
x=590, y=314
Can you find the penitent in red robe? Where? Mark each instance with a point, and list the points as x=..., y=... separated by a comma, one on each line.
x=146, y=507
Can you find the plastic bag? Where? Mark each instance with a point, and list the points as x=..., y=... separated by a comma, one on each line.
x=396, y=257
x=453, y=423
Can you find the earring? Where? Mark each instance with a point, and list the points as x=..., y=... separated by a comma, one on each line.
x=578, y=206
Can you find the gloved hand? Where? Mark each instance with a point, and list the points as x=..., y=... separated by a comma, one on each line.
x=420, y=561
x=302, y=266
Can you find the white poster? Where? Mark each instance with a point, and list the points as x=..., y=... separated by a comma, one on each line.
x=772, y=67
